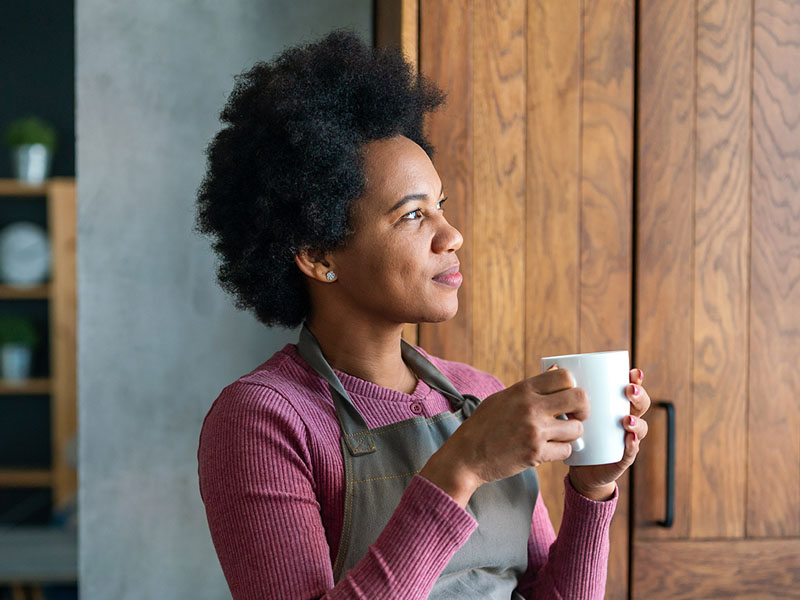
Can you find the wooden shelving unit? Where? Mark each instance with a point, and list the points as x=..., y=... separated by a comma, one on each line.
x=60, y=292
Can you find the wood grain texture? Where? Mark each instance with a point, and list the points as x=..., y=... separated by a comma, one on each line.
x=61, y=208
x=773, y=507
x=724, y=569
x=409, y=29
x=499, y=185
x=721, y=276
x=607, y=213
x=552, y=249
x=607, y=176
x=446, y=58
x=397, y=24
x=665, y=242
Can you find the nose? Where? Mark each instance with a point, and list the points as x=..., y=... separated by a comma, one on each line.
x=447, y=238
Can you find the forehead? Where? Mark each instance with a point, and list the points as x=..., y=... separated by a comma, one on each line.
x=395, y=167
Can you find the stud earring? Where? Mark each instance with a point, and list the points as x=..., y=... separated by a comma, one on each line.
x=330, y=275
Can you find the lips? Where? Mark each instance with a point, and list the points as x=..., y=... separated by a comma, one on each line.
x=450, y=271
x=449, y=277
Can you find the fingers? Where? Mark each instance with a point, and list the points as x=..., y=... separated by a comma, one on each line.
x=639, y=398
x=557, y=451
x=558, y=387
x=638, y=427
x=553, y=380
x=636, y=376
x=564, y=431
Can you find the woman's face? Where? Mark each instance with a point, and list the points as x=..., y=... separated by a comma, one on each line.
x=402, y=241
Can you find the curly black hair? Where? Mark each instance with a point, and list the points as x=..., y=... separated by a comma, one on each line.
x=284, y=170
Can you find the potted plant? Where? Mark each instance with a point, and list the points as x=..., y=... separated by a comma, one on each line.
x=32, y=142
x=18, y=338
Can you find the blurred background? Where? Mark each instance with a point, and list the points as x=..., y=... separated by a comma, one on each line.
x=113, y=297
x=625, y=173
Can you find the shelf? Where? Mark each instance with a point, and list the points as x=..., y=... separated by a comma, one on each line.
x=26, y=477
x=14, y=187
x=36, y=385
x=61, y=295
x=15, y=292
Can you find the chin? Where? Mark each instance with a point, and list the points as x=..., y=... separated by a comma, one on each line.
x=444, y=313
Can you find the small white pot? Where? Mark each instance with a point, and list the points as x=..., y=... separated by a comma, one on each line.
x=15, y=360
x=32, y=163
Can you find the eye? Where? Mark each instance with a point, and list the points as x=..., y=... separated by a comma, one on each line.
x=416, y=214
x=410, y=216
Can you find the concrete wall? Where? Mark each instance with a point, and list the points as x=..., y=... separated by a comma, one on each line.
x=157, y=338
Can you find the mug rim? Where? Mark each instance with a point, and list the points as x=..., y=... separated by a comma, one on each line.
x=584, y=354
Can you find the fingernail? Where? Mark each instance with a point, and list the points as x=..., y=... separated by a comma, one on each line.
x=635, y=390
x=641, y=375
x=635, y=437
x=631, y=420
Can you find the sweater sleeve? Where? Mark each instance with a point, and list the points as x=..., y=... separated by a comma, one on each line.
x=574, y=564
x=258, y=487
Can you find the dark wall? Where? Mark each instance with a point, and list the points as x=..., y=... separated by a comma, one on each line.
x=37, y=72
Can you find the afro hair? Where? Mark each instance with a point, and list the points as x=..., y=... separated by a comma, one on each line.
x=283, y=171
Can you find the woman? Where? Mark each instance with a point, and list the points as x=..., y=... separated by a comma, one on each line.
x=354, y=465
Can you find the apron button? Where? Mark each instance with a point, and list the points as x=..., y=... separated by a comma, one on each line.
x=416, y=408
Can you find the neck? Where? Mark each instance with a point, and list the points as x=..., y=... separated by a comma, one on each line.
x=365, y=350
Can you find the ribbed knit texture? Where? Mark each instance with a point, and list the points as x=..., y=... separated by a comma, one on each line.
x=272, y=480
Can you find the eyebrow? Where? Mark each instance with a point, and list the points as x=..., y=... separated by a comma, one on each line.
x=409, y=198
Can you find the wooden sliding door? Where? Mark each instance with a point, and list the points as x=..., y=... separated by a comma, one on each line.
x=718, y=297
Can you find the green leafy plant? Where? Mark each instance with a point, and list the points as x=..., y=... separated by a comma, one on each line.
x=30, y=130
x=15, y=329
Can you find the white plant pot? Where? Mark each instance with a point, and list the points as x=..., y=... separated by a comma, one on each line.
x=32, y=163
x=15, y=360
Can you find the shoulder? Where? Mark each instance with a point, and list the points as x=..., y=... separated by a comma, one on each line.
x=281, y=397
x=466, y=378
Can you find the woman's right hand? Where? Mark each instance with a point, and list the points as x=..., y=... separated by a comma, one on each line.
x=510, y=431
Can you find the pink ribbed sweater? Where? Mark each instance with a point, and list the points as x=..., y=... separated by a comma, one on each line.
x=272, y=480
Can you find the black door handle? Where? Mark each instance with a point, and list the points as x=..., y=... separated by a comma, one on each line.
x=670, y=513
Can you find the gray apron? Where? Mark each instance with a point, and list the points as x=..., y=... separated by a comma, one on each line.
x=379, y=464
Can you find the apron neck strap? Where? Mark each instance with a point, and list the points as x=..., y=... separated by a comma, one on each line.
x=354, y=427
x=425, y=370
x=356, y=433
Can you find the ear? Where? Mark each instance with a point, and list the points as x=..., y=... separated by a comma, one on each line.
x=313, y=264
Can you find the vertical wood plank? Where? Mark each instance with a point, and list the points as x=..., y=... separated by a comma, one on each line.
x=446, y=58
x=397, y=24
x=721, y=269
x=63, y=313
x=607, y=212
x=773, y=507
x=665, y=242
x=607, y=176
x=499, y=183
x=409, y=31
x=553, y=200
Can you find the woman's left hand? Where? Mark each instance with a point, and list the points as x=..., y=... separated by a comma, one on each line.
x=598, y=481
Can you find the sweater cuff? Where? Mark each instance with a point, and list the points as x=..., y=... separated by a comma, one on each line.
x=586, y=519
x=574, y=499
x=438, y=508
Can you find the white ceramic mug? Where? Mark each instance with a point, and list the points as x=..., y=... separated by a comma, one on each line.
x=604, y=376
